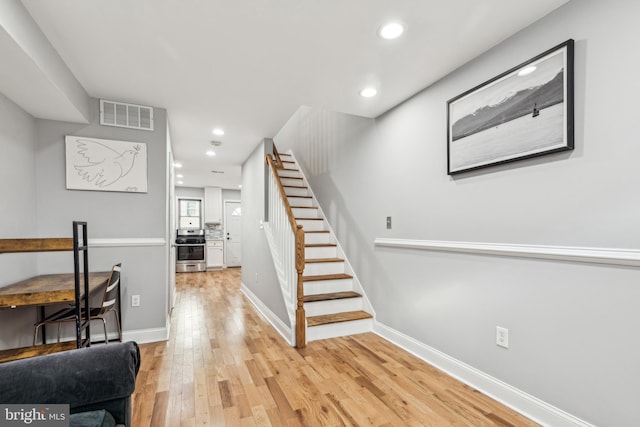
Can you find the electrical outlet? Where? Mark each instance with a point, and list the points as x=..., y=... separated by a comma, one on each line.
x=502, y=337
x=388, y=223
x=135, y=300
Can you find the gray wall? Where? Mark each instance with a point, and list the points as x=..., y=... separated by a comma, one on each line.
x=109, y=215
x=36, y=204
x=17, y=211
x=573, y=326
x=258, y=272
x=190, y=192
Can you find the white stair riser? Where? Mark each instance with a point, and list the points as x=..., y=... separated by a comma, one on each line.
x=319, y=308
x=306, y=213
x=321, y=252
x=295, y=191
x=282, y=173
x=320, y=268
x=300, y=201
x=327, y=286
x=311, y=225
x=312, y=238
x=339, y=329
x=292, y=181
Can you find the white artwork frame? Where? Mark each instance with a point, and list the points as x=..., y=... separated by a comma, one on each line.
x=105, y=165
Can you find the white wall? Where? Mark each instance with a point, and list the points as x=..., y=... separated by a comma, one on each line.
x=258, y=272
x=572, y=325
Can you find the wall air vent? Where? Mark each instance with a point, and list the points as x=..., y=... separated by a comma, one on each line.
x=124, y=115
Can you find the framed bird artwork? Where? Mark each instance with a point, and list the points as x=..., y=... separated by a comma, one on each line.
x=105, y=165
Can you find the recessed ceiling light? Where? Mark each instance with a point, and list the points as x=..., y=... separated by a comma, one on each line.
x=368, y=92
x=391, y=31
x=211, y=153
x=177, y=165
x=218, y=131
x=526, y=71
x=179, y=176
x=180, y=182
x=240, y=186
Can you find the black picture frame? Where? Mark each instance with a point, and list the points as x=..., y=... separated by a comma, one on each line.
x=522, y=113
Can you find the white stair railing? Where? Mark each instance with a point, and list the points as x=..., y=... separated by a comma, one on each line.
x=286, y=241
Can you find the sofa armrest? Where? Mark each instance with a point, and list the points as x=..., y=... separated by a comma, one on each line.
x=83, y=378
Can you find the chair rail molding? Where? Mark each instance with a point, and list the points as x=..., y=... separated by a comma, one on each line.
x=625, y=257
x=125, y=241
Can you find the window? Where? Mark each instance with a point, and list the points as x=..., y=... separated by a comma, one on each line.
x=190, y=213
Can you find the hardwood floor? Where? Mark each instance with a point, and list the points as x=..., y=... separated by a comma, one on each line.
x=226, y=366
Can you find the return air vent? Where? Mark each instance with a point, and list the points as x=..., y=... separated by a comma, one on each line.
x=124, y=115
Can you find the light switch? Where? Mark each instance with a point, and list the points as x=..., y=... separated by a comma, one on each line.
x=388, y=223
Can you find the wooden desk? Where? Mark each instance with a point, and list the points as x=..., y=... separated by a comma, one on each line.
x=40, y=291
x=46, y=289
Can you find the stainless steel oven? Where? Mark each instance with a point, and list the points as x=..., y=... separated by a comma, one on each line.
x=191, y=251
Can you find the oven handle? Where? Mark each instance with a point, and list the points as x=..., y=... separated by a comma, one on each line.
x=190, y=244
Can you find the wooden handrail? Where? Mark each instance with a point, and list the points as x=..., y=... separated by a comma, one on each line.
x=283, y=194
x=278, y=160
x=36, y=245
x=301, y=318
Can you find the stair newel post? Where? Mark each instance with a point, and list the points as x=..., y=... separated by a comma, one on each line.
x=301, y=321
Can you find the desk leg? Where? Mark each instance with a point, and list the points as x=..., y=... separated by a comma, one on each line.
x=44, y=327
x=119, y=308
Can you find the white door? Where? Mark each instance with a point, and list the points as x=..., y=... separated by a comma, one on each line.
x=232, y=220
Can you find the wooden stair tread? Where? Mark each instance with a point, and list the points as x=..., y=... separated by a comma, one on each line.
x=346, y=316
x=318, y=277
x=316, y=231
x=310, y=219
x=302, y=197
x=295, y=186
x=318, y=260
x=331, y=296
x=36, y=350
x=303, y=207
x=320, y=245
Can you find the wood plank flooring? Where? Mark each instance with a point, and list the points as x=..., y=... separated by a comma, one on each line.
x=225, y=366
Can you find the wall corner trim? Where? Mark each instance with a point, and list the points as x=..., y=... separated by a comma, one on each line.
x=527, y=405
x=625, y=257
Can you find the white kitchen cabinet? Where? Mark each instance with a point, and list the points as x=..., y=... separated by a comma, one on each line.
x=215, y=252
x=212, y=204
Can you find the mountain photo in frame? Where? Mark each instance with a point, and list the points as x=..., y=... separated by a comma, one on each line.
x=522, y=113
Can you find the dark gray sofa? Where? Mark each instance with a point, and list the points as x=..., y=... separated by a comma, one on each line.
x=88, y=379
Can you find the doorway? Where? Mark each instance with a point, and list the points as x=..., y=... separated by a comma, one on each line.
x=232, y=225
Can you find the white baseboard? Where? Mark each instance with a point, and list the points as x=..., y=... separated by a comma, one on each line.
x=527, y=405
x=284, y=330
x=142, y=336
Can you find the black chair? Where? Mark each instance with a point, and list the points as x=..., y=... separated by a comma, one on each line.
x=109, y=304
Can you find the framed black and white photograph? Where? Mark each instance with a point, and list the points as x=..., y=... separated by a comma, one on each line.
x=524, y=112
x=105, y=165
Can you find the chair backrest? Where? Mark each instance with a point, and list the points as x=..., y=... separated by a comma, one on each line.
x=111, y=290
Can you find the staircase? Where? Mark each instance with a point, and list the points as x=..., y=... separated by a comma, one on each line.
x=333, y=300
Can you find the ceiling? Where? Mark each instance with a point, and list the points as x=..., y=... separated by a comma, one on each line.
x=247, y=65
